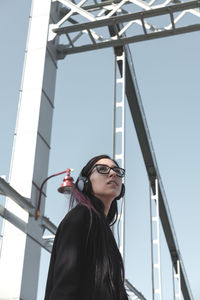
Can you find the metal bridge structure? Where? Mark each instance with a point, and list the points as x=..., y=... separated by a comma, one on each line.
x=58, y=29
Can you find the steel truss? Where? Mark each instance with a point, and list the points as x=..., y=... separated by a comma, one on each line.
x=88, y=31
x=115, y=24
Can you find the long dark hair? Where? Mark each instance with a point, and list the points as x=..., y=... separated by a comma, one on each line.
x=108, y=264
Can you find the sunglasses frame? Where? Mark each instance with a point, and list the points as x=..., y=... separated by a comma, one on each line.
x=109, y=168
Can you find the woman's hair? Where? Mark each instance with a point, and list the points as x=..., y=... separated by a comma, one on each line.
x=100, y=236
x=86, y=197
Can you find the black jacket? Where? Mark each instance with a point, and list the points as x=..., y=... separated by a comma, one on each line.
x=76, y=254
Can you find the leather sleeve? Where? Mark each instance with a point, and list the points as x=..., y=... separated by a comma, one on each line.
x=68, y=256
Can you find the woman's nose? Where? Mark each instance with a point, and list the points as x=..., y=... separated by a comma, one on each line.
x=112, y=172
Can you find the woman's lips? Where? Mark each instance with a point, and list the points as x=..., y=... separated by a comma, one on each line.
x=112, y=182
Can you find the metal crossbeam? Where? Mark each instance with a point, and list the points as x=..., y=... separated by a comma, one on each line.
x=126, y=21
x=62, y=51
x=21, y=225
x=12, y=218
x=128, y=17
x=7, y=190
x=45, y=223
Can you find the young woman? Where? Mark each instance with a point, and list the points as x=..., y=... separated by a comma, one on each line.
x=85, y=262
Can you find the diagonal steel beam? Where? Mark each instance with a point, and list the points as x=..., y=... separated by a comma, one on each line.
x=21, y=225
x=77, y=9
x=134, y=290
x=139, y=120
x=9, y=191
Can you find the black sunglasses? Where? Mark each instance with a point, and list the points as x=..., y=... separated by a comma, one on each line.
x=104, y=169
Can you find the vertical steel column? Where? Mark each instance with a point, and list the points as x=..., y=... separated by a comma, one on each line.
x=119, y=132
x=20, y=254
x=155, y=242
x=176, y=281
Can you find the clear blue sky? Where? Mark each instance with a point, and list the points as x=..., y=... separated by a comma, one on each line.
x=168, y=76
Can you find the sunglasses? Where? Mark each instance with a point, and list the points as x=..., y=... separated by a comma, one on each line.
x=104, y=169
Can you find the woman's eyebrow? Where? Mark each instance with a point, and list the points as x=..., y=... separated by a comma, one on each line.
x=113, y=166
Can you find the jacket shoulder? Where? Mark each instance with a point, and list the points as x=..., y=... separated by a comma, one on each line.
x=78, y=218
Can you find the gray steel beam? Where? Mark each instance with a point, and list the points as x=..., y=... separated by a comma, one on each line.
x=21, y=225
x=134, y=290
x=13, y=219
x=47, y=224
x=7, y=190
x=63, y=50
x=118, y=20
x=139, y=120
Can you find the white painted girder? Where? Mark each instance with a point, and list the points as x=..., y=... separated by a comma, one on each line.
x=127, y=33
x=22, y=226
x=20, y=251
x=127, y=20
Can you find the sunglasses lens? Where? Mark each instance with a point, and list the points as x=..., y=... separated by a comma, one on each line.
x=120, y=172
x=103, y=169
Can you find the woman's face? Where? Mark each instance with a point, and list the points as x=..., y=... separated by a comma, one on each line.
x=106, y=186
